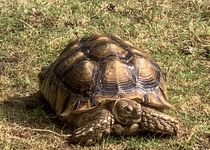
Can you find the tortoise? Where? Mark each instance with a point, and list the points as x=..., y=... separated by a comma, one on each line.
x=101, y=84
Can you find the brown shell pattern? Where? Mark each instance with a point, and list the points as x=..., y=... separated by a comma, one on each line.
x=93, y=69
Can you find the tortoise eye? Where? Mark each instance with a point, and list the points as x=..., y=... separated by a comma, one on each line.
x=128, y=109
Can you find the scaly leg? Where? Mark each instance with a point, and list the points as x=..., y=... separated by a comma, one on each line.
x=92, y=126
x=158, y=122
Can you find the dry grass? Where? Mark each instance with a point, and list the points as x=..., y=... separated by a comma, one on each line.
x=32, y=33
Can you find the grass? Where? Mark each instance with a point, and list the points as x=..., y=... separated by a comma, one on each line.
x=32, y=34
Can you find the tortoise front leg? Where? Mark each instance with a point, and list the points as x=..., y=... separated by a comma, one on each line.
x=92, y=126
x=158, y=122
x=151, y=120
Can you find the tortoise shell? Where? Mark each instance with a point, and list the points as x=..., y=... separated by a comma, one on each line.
x=93, y=69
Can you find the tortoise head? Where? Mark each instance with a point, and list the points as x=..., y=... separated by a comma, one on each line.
x=127, y=111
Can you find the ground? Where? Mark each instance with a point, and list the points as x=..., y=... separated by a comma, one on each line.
x=33, y=33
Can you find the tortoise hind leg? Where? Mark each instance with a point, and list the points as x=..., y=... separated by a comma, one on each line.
x=92, y=126
x=158, y=122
